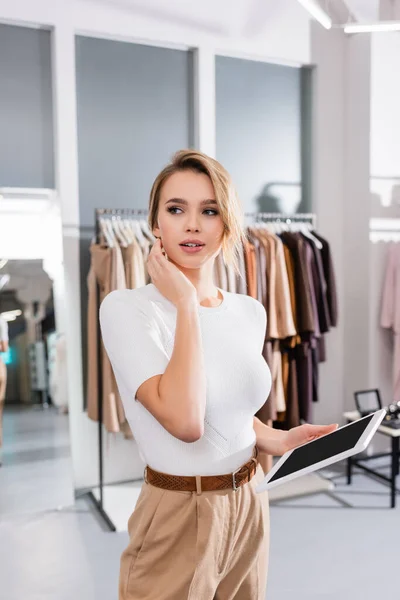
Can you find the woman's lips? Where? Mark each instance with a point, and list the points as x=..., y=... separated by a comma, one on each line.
x=191, y=250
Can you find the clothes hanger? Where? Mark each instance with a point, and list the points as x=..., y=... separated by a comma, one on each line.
x=109, y=236
x=306, y=230
x=266, y=226
x=123, y=230
x=126, y=228
x=111, y=230
x=145, y=227
x=115, y=226
x=137, y=231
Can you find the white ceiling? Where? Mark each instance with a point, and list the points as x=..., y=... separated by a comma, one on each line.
x=245, y=17
x=364, y=10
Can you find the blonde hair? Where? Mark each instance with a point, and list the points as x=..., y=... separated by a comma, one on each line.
x=228, y=203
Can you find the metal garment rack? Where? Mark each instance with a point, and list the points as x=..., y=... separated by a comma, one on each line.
x=284, y=217
x=99, y=502
x=384, y=229
x=126, y=213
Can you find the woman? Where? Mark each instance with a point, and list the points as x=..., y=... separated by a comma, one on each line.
x=188, y=361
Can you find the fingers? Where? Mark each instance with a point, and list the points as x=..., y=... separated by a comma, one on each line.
x=315, y=430
x=156, y=255
x=156, y=249
x=332, y=427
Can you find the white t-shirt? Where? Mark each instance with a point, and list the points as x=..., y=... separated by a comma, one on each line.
x=138, y=328
x=3, y=330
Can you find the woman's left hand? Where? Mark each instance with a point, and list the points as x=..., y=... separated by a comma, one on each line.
x=305, y=433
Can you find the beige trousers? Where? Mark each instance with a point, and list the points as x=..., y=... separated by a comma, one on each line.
x=3, y=385
x=189, y=546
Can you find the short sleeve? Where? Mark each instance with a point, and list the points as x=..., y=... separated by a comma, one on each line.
x=3, y=330
x=132, y=339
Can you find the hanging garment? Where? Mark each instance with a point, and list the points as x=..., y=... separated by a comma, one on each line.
x=251, y=268
x=272, y=326
x=307, y=318
x=285, y=326
x=134, y=265
x=280, y=312
x=305, y=314
x=320, y=287
x=289, y=262
x=260, y=269
x=128, y=260
x=107, y=271
x=390, y=310
x=145, y=246
x=231, y=279
x=312, y=276
x=320, y=309
x=261, y=253
x=330, y=279
x=277, y=377
x=292, y=402
x=241, y=283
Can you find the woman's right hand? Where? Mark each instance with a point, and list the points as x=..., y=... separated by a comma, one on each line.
x=168, y=279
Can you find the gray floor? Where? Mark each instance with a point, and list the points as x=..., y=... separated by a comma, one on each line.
x=320, y=548
x=37, y=469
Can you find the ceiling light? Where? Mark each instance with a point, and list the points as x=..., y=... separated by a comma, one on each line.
x=11, y=315
x=371, y=27
x=313, y=7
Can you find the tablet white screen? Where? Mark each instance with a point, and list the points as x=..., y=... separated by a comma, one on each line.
x=325, y=447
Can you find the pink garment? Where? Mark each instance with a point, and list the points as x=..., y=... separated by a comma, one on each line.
x=390, y=312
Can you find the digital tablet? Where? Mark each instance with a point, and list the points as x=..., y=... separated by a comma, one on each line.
x=324, y=451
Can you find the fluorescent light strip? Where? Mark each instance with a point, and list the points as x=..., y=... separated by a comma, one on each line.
x=11, y=315
x=315, y=10
x=372, y=27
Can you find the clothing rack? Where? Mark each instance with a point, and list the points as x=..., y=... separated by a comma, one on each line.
x=384, y=229
x=284, y=217
x=118, y=213
x=114, y=213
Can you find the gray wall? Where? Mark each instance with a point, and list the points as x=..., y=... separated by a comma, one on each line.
x=26, y=111
x=135, y=109
x=259, y=130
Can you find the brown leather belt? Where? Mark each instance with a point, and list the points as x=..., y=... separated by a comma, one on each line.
x=205, y=483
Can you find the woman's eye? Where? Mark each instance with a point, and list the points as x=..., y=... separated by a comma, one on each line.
x=173, y=208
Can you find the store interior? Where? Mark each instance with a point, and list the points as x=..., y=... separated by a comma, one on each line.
x=96, y=96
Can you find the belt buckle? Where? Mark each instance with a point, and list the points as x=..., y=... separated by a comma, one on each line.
x=233, y=478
